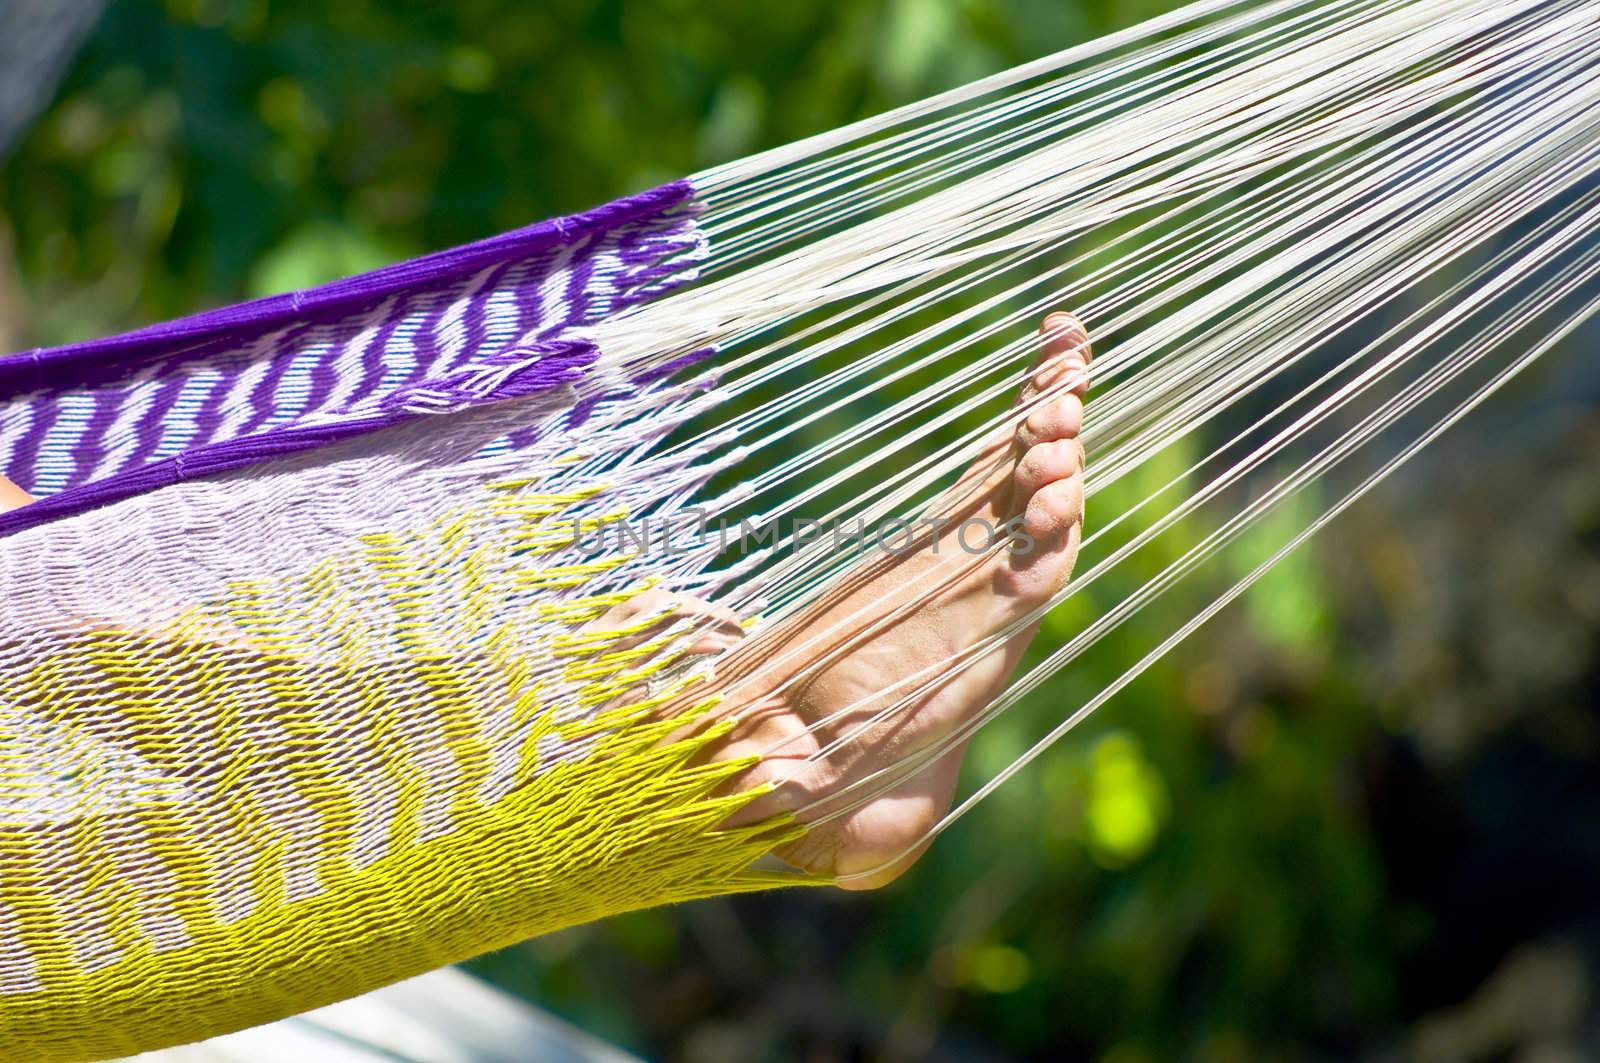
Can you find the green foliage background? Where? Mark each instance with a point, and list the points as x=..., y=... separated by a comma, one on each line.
x=1338, y=822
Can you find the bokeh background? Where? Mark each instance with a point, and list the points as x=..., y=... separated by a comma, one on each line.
x=1357, y=816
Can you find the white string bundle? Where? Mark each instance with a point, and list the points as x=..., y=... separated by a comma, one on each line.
x=1305, y=237
x=367, y=693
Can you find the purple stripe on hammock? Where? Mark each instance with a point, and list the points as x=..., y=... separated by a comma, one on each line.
x=554, y=365
x=25, y=454
x=148, y=432
x=91, y=444
x=573, y=242
x=433, y=345
x=29, y=370
x=373, y=362
x=271, y=370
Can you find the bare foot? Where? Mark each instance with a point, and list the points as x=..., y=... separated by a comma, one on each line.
x=816, y=682
x=820, y=678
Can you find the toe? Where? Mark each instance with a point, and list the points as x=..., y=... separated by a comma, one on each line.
x=1052, y=397
x=1050, y=406
x=1053, y=510
x=1057, y=418
x=1064, y=353
x=1063, y=333
x=1041, y=560
x=1044, y=464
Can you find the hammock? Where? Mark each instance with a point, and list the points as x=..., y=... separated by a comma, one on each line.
x=302, y=693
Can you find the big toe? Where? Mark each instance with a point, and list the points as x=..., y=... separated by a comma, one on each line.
x=1052, y=397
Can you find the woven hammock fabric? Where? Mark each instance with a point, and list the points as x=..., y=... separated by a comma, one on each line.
x=235, y=784
x=302, y=688
x=107, y=419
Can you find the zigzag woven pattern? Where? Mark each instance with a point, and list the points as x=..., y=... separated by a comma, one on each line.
x=333, y=356
x=323, y=706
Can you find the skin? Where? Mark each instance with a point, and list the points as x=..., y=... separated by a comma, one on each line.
x=12, y=496
x=821, y=676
